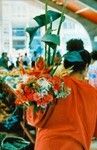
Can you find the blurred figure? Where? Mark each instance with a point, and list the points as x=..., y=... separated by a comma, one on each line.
x=11, y=66
x=26, y=60
x=92, y=71
x=33, y=59
x=4, y=60
x=17, y=62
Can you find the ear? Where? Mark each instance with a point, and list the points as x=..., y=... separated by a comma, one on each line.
x=92, y=61
x=87, y=65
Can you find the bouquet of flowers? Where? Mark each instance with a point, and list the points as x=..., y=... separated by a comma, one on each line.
x=40, y=88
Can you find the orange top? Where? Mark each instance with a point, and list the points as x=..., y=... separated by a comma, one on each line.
x=74, y=117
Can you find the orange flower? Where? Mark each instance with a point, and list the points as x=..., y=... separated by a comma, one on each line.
x=42, y=100
x=40, y=64
x=21, y=99
x=22, y=85
x=40, y=69
x=27, y=90
x=47, y=98
x=22, y=70
x=36, y=97
x=30, y=96
x=57, y=60
x=56, y=82
x=18, y=102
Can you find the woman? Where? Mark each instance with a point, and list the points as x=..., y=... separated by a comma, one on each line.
x=70, y=124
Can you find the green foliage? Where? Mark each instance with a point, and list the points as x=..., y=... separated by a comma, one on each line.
x=42, y=21
x=51, y=40
x=2, y=79
x=51, y=16
x=31, y=32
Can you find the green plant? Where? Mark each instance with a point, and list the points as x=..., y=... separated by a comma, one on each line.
x=50, y=39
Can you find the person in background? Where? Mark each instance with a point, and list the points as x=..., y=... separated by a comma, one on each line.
x=26, y=60
x=4, y=60
x=11, y=66
x=92, y=71
x=33, y=59
x=17, y=62
x=71, y=123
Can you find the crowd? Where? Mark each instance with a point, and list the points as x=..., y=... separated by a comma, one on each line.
x=9, y=64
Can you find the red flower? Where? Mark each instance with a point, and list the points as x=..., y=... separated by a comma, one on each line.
x=30, y=96
x=40, y=64
x=56, y=82
x=27, y=90
x=36, y=97
x=40, y=68
x=47, y=98
x=42, y=100
x=21, y=99
x=22, y=85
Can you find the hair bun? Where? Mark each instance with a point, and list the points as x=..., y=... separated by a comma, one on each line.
x=75, y=45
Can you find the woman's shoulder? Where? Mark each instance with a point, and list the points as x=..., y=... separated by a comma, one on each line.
x=82, y=84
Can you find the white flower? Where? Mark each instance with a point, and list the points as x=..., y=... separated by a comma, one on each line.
x=44, y=83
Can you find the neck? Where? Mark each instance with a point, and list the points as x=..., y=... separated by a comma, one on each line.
x=78, y=75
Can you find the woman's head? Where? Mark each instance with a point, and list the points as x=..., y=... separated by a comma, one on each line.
x=77, y=58
x=75, y=45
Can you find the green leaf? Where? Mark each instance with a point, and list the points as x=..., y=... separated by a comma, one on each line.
x=36, y=108
x=51, y=16
x=31, y=31
x=2, y=79
x=51, y=39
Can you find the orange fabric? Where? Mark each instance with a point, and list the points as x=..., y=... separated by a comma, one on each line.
x=38, y=119
x=72, y=123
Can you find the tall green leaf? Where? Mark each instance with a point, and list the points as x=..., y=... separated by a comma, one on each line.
x=51, y=15
x=51, y=39
x=62, y=18
x=31, y=31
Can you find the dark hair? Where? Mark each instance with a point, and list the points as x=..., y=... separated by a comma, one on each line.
x=94, y=55
x=75, y=45
x=77, y=66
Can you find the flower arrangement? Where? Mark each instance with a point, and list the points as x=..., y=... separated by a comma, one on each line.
x=40, y=88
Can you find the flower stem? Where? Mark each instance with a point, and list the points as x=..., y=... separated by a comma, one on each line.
x=49, y=49
x=46, y=18
x=49, y=56
x=58, y=32
x=61, y=20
